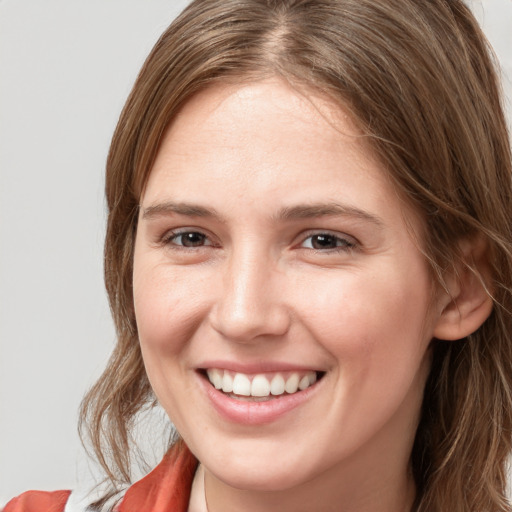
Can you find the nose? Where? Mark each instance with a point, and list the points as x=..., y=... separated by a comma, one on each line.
x=250, y=304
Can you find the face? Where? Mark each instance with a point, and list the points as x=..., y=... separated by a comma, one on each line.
x=281, y=303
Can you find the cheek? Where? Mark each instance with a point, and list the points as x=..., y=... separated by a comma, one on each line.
x=377, y=318
x=167, y=312
x=167, y=306
x=374, y=329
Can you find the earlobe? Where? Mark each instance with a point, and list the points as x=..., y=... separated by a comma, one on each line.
x=469, y=302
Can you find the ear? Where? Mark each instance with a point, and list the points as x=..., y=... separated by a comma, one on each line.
x=468, y=304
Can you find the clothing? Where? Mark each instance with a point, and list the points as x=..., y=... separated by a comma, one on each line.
x=166, y=488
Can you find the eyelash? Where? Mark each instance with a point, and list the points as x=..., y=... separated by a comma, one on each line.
x=343, y=243
x=171, y=237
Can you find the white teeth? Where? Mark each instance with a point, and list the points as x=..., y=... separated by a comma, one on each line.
x=277, y=385
x=304, y=383
x=227, y=383
x=242, y=385
x=292, y=383
x=260, y=386
x=215, y=377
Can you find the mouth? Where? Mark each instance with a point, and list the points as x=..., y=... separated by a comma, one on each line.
x=255, y=396
x=261, y=387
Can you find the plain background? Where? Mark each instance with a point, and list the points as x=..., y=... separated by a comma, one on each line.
x=66, y=67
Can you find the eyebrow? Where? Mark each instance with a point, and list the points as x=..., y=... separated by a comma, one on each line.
x=327, y=210
x=170, y=207
x=306, y=211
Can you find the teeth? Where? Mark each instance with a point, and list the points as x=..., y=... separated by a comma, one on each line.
x=227, y=383
x=292, y=383
x=277, y=385
x=241, y=385
x=215, y=377
x=260, y=385
x=304, y=382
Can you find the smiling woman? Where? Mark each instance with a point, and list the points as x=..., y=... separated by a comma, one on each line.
x=311, y=301
x=309, y=262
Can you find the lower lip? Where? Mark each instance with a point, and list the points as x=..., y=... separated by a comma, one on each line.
x=255, y=413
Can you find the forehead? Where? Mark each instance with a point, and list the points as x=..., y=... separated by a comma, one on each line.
x=256, y=138
x=260, y=120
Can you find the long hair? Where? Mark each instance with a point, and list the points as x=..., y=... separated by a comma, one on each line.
x=419, y=80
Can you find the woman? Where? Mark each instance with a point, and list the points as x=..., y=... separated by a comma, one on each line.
x=309, y=262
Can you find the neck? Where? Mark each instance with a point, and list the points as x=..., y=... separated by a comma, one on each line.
x=338, y=496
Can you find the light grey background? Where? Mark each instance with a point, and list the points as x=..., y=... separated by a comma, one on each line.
x=66, y=67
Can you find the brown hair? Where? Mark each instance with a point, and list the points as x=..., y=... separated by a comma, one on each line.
x=419, y=79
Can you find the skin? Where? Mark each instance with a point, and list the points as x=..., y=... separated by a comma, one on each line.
x=257, y=286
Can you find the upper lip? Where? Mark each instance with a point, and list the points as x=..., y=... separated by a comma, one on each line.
x=256, y=367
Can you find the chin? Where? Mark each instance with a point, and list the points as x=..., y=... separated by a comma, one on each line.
x=261, y=468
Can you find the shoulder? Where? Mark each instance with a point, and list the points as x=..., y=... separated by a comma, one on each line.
x=39, y=501
x=166, y=488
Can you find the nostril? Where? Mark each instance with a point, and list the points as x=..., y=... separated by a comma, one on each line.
x=251, y=325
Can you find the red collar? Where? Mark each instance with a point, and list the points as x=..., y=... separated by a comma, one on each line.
x=167, y=487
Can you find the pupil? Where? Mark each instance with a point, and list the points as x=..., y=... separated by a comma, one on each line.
x=192, y=239
x=323, y=241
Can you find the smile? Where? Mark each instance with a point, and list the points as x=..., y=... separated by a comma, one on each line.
x=260, y=386
x=252, y=395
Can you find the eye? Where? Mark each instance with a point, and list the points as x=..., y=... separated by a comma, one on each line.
x=327, y=241
x=187, y=239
